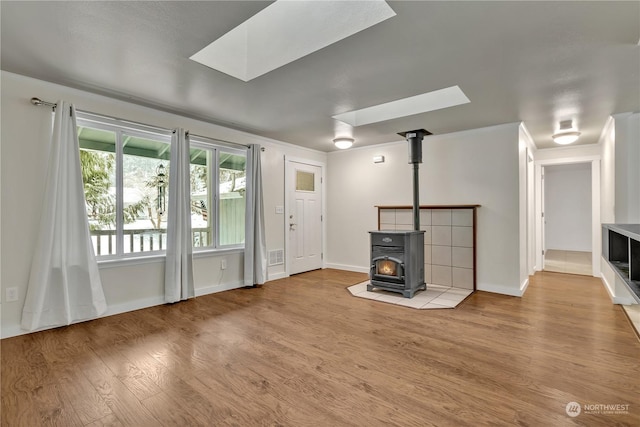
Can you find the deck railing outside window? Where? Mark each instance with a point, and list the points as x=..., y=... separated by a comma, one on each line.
x=141, y=240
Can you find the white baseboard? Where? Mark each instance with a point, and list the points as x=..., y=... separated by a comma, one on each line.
x=499, y=289
x=15, y=330
x=608, y=287
x=277, y=276
x=219, y=288
x=355, y=268
x=12, y=331
x=616, y=299
x=624, y=300
x=9, y=331
x=138, y=304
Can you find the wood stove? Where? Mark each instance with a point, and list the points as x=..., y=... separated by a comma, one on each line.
x=397, y=262
x=397, y=257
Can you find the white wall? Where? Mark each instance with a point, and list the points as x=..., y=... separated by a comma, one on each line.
x=568, y=207
x=608, y=168
x=627, y=171
x=479, y=166
x=620, y=184
x=25, y=133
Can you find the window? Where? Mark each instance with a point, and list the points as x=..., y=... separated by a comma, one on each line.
x=305, y=181
x=126, y=169
x=218, y=187
x=125, y=177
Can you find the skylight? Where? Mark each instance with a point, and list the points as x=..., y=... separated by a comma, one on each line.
x=288, y=30
x=430, y=101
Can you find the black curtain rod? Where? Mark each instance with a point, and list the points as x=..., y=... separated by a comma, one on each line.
x=53, y=105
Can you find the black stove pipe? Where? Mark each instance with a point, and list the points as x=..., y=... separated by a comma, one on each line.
x=414, y=138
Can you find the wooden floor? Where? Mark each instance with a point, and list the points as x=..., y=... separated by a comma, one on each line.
x=303, y=352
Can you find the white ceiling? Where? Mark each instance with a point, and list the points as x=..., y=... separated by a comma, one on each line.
x=536, y=62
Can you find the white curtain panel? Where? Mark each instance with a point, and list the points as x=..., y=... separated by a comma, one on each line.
x=64, y=284
x=178, y=282
x=255, y=248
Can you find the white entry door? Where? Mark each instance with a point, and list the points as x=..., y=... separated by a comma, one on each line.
x=304, y=218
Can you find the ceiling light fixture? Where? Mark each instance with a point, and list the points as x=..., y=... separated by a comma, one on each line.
x=343, y=142
x=566, y=134
x=564, y=138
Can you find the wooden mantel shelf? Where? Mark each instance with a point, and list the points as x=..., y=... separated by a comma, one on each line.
x=427, y=206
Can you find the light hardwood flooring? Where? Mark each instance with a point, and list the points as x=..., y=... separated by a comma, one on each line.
x=573, y=262
x=633, y=313
x=303, y=351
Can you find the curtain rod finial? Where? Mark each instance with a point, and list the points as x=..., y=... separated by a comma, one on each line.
x=39, y=102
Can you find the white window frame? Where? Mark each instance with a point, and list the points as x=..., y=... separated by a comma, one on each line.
x=215, y=147
x=120, y=128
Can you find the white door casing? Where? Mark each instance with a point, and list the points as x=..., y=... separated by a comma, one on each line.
x=304, y=215
x=596, y=241
x=543, y=220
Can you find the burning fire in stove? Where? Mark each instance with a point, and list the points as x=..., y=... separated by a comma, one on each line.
x=387, y=268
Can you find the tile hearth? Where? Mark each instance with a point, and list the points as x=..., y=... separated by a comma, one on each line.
x=436, y=296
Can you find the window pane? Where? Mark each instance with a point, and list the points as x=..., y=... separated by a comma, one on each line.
x=201, y=197
x=145, y=171
x=98, y=162
x=232, y=178
x=305, y=181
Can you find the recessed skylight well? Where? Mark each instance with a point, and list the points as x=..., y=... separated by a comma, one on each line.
x=430, y=101
x=286, y=31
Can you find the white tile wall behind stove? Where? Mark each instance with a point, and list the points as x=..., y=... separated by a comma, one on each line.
x=448, y=241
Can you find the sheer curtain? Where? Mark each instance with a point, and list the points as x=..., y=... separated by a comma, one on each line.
x=255, y=248
x=178, y=282
x=64, y=284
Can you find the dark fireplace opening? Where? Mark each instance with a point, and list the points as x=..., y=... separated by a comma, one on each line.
x=388, y=268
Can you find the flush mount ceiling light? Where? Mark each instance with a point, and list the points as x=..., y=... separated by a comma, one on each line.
x=430, y=101
x=288, y=30
x=566, y=134
x=343, y=142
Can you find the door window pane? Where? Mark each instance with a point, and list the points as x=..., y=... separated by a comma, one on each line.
x=305, y=181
